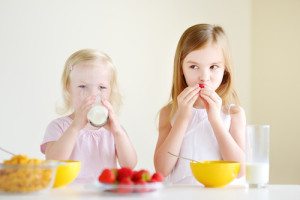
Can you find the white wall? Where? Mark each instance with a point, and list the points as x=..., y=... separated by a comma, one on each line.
x=276, y=85
x=37, y=36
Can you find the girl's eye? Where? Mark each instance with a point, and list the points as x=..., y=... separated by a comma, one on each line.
x=102, y=87
x=214, y=67
x=194, y=67
x=82, y=86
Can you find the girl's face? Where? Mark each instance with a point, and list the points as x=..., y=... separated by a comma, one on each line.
x=89, y=78
x=204, y=66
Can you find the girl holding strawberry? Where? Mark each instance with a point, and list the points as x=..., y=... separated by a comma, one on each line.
x=203, y=120
x=88, y=73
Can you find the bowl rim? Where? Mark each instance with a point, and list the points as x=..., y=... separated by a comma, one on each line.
x=43, y=165
x=215, y=162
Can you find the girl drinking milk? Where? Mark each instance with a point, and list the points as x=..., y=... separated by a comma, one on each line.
x=87, y=75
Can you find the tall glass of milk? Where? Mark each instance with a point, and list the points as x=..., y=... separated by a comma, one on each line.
x=257, y=155
x=98, y=114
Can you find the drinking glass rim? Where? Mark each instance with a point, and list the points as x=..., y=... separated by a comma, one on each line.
x=258, y=125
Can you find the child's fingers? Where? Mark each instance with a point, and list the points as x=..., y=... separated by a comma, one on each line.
x=107, y=105
x=87, y=104
x=212, y=95
x=215, y=97
x=87, y=107
x=204, y=102
x=187, y=90
x=110, y=109
x=88, y=100
x=193, y=99
x=188, y=96
x=207, y=99
x=206, y=91
x=191, y=94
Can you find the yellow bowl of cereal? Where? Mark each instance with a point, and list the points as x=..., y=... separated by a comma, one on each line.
x=66, y=173
x=21, y=174
x=216, y=173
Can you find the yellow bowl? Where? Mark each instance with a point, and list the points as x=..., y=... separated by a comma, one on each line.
x=215, y=173
x=66, y=173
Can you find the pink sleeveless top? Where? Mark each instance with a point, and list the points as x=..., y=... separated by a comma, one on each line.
x=95, y=149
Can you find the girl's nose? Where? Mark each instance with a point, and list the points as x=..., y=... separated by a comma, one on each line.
x=94, y=91
x=204, y=76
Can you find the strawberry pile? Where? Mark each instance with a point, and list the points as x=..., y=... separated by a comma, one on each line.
x=126, y=177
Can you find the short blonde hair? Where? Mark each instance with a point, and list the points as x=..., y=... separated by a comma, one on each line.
x=194, y=38
x=82, y=56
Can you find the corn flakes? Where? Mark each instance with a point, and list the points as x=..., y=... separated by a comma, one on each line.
x=21, y=174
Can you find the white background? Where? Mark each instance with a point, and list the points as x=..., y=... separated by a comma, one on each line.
x=37, y=36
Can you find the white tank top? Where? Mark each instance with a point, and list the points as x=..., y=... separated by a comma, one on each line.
x=199, y=143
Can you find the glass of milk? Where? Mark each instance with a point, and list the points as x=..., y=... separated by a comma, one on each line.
x=98, y=114
x=257, y=155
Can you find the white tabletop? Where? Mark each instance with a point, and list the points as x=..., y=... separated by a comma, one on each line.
x=185, y=192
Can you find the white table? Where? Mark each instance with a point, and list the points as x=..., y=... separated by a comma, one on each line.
x=185, y=192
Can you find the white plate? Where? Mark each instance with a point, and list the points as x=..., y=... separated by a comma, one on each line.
x=125, y=189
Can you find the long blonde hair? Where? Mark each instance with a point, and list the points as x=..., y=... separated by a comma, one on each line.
x=195, y=38
x=82, y=56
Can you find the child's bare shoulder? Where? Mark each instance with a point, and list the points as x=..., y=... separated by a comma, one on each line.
x=234, y=110
x=237, y=115
x=164, y=115
x=166, y=110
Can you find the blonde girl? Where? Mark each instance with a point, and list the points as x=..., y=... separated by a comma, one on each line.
x=88, y=73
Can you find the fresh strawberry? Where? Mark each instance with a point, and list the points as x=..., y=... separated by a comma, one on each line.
x=124, y=173
x=143, y=188
x=107, y=176
x=134, y=176
x=140, y=182
x=143, y=175
x=124, y=186
x=201, y=85
x=115, y=171
x=157, y=177
x=126, y=181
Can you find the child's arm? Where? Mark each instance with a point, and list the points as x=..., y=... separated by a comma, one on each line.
x=231, y=142
x=125, y=151
x=167, y=141
x=63, y=147
x=170, y=138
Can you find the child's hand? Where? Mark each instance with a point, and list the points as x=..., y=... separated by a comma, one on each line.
x=113, y=124
x=80, y=117
x=186, y=100
x=212, y=102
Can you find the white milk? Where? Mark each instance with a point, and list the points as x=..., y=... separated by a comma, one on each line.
x=98, y=115
x=257, y=173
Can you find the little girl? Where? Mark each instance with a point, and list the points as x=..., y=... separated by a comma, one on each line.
x=88, y=73
x=203, y=120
